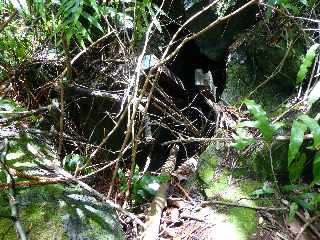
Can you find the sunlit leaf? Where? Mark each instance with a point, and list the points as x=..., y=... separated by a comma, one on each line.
x=304, y=2
x=15, y=155
x=260, y=115
x=242, y=139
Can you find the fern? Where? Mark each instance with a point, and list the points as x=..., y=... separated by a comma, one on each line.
x=307, y=62
x=71, y=12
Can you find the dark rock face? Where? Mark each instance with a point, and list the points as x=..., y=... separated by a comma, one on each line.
x=215, y=43
x=189, y=59
x=209, y=52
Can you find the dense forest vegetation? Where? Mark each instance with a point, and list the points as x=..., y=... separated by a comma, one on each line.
x=149, y=119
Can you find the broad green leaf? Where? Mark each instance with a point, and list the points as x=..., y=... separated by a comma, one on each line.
x=93, y=20
x=314, y=94
x=296, y=167
x=316, y=199
x=293, y=211
x=307, y=62
x=14, y=156
x=297, y=134
x=72, y=161
x=304, y=2
x=24, y=165
x=265, y=190
x=314, y=127
x=316, y=168
x=260, y=115
x=242, y=139
x=294, y=188
x=251, y=124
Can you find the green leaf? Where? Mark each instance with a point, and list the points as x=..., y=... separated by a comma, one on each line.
x=15, y=155
x=262, y=120
x=242, y=139
x=72, y=161
x=296, y=167
x=314, y=127
x=314, y=94
x=307, y=62
x=316, y=167
x=265, y=190
x=294, y=188
x=304, y=2
x=292, y=212
x=251, y=124
x=296, y=139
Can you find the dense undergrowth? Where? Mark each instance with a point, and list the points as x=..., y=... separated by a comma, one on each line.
x=54, y=54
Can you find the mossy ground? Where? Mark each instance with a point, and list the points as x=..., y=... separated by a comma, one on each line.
x=235, y=187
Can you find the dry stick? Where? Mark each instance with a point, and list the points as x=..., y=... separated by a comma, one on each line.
x=12, y=195
x=185, y=24
x=18, y=115
x=14, y=209
x=205, y=203
x=304, y=227
x=289, y=16
x=4, y=24
x=306, y=94
x=75, y=58
x=135, y=102
x=40, y=182
x=176, y=112
x=302, y=218
x=193, y=139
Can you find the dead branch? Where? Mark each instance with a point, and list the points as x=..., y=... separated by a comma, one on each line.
x=160, y=201
x=5, y=23
x=259, y=208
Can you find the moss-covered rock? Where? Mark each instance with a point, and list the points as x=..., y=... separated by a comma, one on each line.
x=53, y=212
x=223, y=185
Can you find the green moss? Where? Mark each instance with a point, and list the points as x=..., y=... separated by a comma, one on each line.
x=208, y=164
x=244, y=220
x=217, y=187
x=44, y=223
x=7, y=230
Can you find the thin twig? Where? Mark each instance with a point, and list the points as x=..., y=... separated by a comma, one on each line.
x=193, y=139
x=40, y=182
x=12, y=196
x=259, y=208
x=275, y=73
